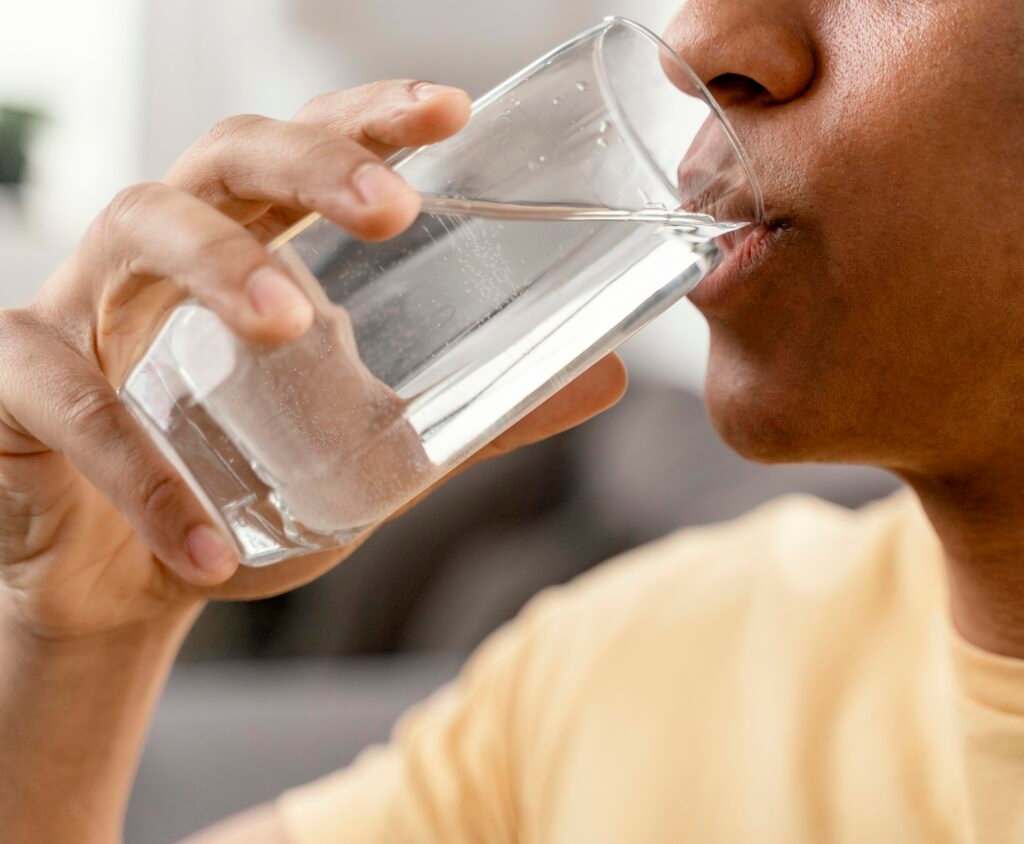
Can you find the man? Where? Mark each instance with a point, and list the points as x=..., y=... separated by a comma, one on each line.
x=804, y=674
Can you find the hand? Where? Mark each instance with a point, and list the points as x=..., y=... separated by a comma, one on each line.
x=97, y=531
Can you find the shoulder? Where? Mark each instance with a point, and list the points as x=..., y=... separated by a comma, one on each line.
x=795, y=570
x=797, y=541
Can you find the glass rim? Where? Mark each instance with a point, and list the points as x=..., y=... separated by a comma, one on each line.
x=739, y=150
x=606, y=24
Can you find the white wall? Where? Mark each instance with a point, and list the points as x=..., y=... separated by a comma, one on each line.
x=79, y=62
x=206, y=60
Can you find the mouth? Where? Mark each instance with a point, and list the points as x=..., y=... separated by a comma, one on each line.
x=744, y=252
x=712, y=180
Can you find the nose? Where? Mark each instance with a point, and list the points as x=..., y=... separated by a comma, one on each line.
x=745, y=51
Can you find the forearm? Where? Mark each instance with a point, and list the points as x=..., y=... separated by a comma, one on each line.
x=73, y=718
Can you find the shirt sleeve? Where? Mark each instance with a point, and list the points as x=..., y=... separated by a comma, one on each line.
x=448, y=774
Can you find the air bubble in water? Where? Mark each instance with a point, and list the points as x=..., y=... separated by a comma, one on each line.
x=533, y=165
x=582, y=86
x=542, y=159
x=516, y=101
x=601, y=142
x=556, y=101
x=603, y=126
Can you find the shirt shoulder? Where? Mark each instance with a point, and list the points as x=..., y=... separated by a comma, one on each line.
x=693, y=642
x=678, y=634
x=795, y=583
x=799, y=548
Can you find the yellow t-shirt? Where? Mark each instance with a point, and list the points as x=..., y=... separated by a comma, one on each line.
x=788, y=677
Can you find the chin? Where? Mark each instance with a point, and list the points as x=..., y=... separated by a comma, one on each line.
x=765, y=421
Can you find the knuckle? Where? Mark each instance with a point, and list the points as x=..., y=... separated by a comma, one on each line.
x=225, y=246
x=91, y=410
x=321, y=105
x=14, y=321
x=344, y=109
x=197, y=171
x=222, y=261
x=388, y=97
x=121, y=213
x=128, y=203
x=388, y=87
x=159, y=496
x=408, y=86
x=331, y=151
x=231, y=128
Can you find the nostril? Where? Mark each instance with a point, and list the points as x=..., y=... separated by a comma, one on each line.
x=732, y=88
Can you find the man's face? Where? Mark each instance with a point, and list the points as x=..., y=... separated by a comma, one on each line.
x=881, y=320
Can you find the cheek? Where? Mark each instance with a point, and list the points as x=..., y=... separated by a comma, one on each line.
x=916, y=145
x=903, y=188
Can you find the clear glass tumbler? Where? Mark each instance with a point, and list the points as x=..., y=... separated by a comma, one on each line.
x=582, y=200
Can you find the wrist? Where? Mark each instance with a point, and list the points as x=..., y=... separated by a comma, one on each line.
x=20, y=629
x=74, y=711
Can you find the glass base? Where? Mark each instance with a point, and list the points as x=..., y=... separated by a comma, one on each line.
x=220, y=475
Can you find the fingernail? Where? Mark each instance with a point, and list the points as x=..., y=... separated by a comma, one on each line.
x=428, y=90
x=378, y=184
x=272, y=294
x=208, y=550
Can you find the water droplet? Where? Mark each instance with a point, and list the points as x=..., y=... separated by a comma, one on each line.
x=601, y=142
x=603, y=126
x=582, y=86
x=543, y=159
x=556, y=101
x=516, y=101
x=533, y=165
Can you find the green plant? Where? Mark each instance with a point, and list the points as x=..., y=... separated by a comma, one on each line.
x=17, y=125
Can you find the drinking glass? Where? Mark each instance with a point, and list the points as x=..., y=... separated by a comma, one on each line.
x=583, y=199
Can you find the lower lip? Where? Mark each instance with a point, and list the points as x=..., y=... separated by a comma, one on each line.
x=732, y=280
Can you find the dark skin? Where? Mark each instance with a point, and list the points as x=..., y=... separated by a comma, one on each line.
x=861, y=329
x=868, y=332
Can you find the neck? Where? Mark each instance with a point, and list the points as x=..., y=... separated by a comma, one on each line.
x=979, y=518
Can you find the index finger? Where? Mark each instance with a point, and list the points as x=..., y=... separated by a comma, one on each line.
x=386, y=116
x=381, y=118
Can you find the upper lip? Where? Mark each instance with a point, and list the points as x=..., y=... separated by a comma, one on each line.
x=741, y=251
x=734, y=241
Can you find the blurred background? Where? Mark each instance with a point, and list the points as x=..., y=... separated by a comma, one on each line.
x=94, y=96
